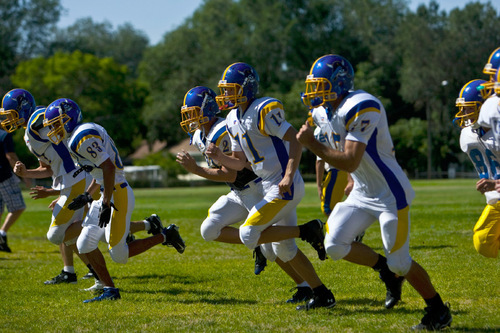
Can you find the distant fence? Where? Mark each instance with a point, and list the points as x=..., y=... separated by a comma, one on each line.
x=146, y=176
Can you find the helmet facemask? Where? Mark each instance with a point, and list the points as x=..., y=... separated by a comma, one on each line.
x=231, y=95
x=468, y=112
x=318, y=92
x=10, y=121
x=57, y=132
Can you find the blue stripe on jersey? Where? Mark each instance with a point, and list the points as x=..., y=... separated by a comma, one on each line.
x=63, y=152
x=271, y=100
x=217, y=134
x=76, y=140
x=391, y=179
x=282, y=154
x=366, y=104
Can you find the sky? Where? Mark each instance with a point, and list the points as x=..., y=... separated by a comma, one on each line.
x=157, y=17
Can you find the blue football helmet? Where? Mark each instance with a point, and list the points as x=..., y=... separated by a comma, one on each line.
x=61, y=116
x=331, y=76
x=199, y=108
x=469, y=102
x=491, y=69
x=17, y=107
x=239, y=84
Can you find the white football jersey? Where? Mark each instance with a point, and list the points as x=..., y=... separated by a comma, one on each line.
x=90, y=146
x=57, y=156
x=218, y=135
x=258, y=132
x=480, y=147
x=379, y=180
x=489, y=116
x=323, y=131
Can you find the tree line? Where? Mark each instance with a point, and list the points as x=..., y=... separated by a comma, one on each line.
x=414, y=61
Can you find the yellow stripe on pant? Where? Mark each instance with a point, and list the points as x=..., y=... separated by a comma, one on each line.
x=119, y=217
x=266, y=213
x=65, y=214
x=402, y=233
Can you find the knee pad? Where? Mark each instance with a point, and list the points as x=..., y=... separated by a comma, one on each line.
x=285, y=250
x=398, y=265
x=249, y=236
x=56, y=235
x=209, y=230
x=89, y=238
x=337, y=251
x=119, y=253
x=268, y=252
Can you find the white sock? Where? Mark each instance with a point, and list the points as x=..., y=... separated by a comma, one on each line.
x=69, y=269
x=147, y=225
x=3, y=233
x=303, y=284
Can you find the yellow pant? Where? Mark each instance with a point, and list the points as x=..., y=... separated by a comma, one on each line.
x=487, y=231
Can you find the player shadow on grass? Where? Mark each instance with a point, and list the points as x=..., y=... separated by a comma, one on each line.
x=204, y=296
x=164, y=278
x=422, y=247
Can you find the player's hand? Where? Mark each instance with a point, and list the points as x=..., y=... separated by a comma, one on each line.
x=80, y=201
x=186, y=161
x=40, y=192
x=53, y=204
x=285, y=185
x=306, y=134
x=105, y=214
x=213, y=151
x=20, y=169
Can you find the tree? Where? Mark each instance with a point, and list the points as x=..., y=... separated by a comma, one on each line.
x=126, y=45
x=24, y=29
x=100, y=86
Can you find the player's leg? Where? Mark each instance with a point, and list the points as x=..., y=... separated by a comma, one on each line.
x=62, y=219
x=227, y=210
x=395, y=228
x=11, y=195
x=486, y=236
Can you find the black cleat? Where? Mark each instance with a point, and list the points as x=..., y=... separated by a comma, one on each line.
x=301, y=295
x=435, y=319
x=130, y=238
x=312, y=232
x=260, y=260
x=3, y=244
x=393, y=285
x=64, y=277
x=173, y=238
x=155, y=223
x=326, y=300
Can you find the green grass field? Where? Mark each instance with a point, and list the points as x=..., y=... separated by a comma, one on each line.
x=211, y=287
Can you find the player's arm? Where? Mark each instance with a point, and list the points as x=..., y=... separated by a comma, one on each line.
x=347, y=160
x=236, y=161
x=295, y=153
x=320, y=172
x=216, y=174
x=108, y=172
x=43, y=171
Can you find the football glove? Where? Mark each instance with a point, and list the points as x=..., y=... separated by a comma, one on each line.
x=105, y=214
x=80, y=201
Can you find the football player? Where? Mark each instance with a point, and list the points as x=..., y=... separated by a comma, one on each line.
x=261, y=135
x=20, y=111
x=200, y=121
x=361, y=145
x=483, y=150
x=109, y=217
